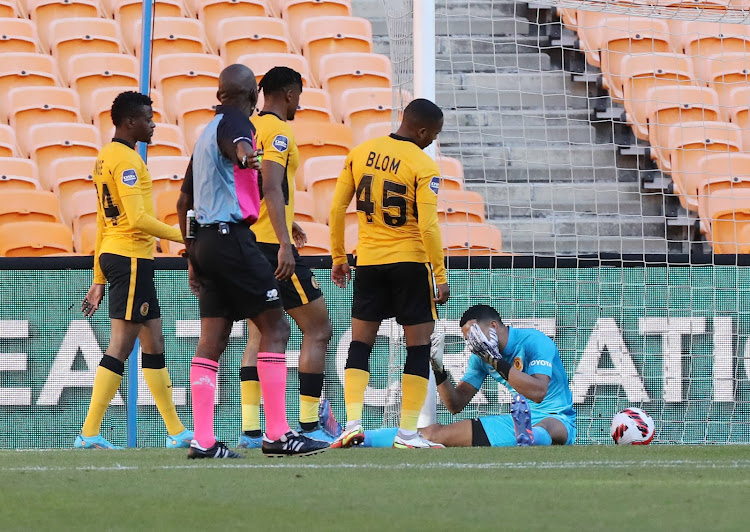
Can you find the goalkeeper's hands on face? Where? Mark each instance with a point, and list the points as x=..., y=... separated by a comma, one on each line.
x=483, y=346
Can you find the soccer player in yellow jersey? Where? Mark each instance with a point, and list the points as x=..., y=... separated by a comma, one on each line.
x=274, y=231
x=124, y=254
x=399, y=250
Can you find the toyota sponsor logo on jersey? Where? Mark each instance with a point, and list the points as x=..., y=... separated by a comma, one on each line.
x=541, y=363
x=435, y=184
x=281, y=143
x=129, y=177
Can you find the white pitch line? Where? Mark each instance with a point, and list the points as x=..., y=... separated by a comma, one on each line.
x=665, y=464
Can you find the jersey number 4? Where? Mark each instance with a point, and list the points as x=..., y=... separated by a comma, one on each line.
x=110, y=209
x=394, y=201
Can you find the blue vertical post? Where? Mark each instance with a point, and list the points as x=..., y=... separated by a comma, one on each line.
x=144, y=83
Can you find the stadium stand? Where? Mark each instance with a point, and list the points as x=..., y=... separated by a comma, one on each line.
x=17, y=173
x=318, y=239
x=29, y=206
x=18, y=35
x=325, y=36
x=251, y=35
x=35, y=239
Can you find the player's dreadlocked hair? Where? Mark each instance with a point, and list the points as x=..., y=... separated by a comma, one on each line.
x=280, y=78
x=128, y=105
x=480, y=313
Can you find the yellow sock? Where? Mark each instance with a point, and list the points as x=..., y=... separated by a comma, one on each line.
x=355, y=384
x=160, y=385
x=308, y=409
x=250, y=396
x=106, y=383
x=413, y=394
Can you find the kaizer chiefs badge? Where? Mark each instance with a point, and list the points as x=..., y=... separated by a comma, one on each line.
x=518, y=364
x=144, y=309
x=314, y=283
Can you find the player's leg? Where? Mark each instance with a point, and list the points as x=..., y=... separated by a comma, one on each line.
x=160, y=384
x=546, y=431
x=252, y=436
x=312, y=319
x=416, y=312
x=550, y=431
x=125, y=301
x=459, y=434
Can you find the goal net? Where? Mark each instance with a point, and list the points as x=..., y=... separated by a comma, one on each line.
x=609, y=143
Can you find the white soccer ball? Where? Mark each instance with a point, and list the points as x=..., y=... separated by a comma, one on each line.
x=632, y=426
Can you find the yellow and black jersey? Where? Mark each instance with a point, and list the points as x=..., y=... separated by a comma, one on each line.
x=275, y=137
x=125, y=219
x=395, y=185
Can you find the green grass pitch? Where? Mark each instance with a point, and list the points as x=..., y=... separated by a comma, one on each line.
x=558, y=489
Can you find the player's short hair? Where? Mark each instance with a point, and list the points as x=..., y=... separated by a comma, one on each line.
x=480, y=313
x=280, y=78
x=423, y=112
x=128, y=104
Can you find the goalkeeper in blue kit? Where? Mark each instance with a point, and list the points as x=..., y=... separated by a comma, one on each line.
x=527, y=362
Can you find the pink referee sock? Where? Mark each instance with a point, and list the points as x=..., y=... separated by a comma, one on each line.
x=272, y=374
x=202, y=389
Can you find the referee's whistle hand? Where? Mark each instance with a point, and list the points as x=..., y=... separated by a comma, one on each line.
x=286, y=261
x=444, y=292
x=341, y=274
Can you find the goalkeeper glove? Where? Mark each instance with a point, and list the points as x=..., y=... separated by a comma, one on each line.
x=488, y=349
x=437, y=348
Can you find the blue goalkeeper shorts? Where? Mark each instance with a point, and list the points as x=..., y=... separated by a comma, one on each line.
x=501, y=432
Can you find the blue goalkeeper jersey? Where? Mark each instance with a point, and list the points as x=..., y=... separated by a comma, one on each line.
x=532, y=352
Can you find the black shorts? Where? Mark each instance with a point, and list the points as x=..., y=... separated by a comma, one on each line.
x=237, y=281
x=132, y=293
x=302, y=288
x=478, y=434
x=404, y=290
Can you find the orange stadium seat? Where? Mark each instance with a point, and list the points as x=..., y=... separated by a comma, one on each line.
x=569, y=17
x=128, y=13
x=166, y=206
x=89, y=72
x=34, y=239
x=173, y=72
x=304, y=207
x=172, y=35
x=371, y=131
x=314, y=106
x=84, y=238
x=642, y=72
x=701, y=40
x=451, y=173
x=323, y=36
x=20, y=69
x=251, y=35
x=330, y=165
x=167, y=172
x=318, y=239
x=592, y=31
x=69, y=176
x=460, y=206
x=738, y=105
x=687, y=144
x=339, y=72
x=82, y=207
x=28, y=106
x=29, y=206
x=296, y=12
x=171, y=249
x=196, y=107
x=669, y=105
x=322, y=138
x=358, y=108
x=728, y=213
x=212, y=12
x=720, y=171
x=45, y=12
x=7, y=141
x=351, y=238
x=471, y=239
x=75, y=36
x=49, y=142
x=168, y=140
x=262, y=63
x=18, y=35
x=9, y=9
x=17, y=173
x=322, y=188
x=641, y=35
x=725, y=72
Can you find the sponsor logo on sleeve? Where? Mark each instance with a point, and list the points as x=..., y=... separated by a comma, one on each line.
x=129, y=177
x=435, y=184
x=541, y=363
x=281, y=143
